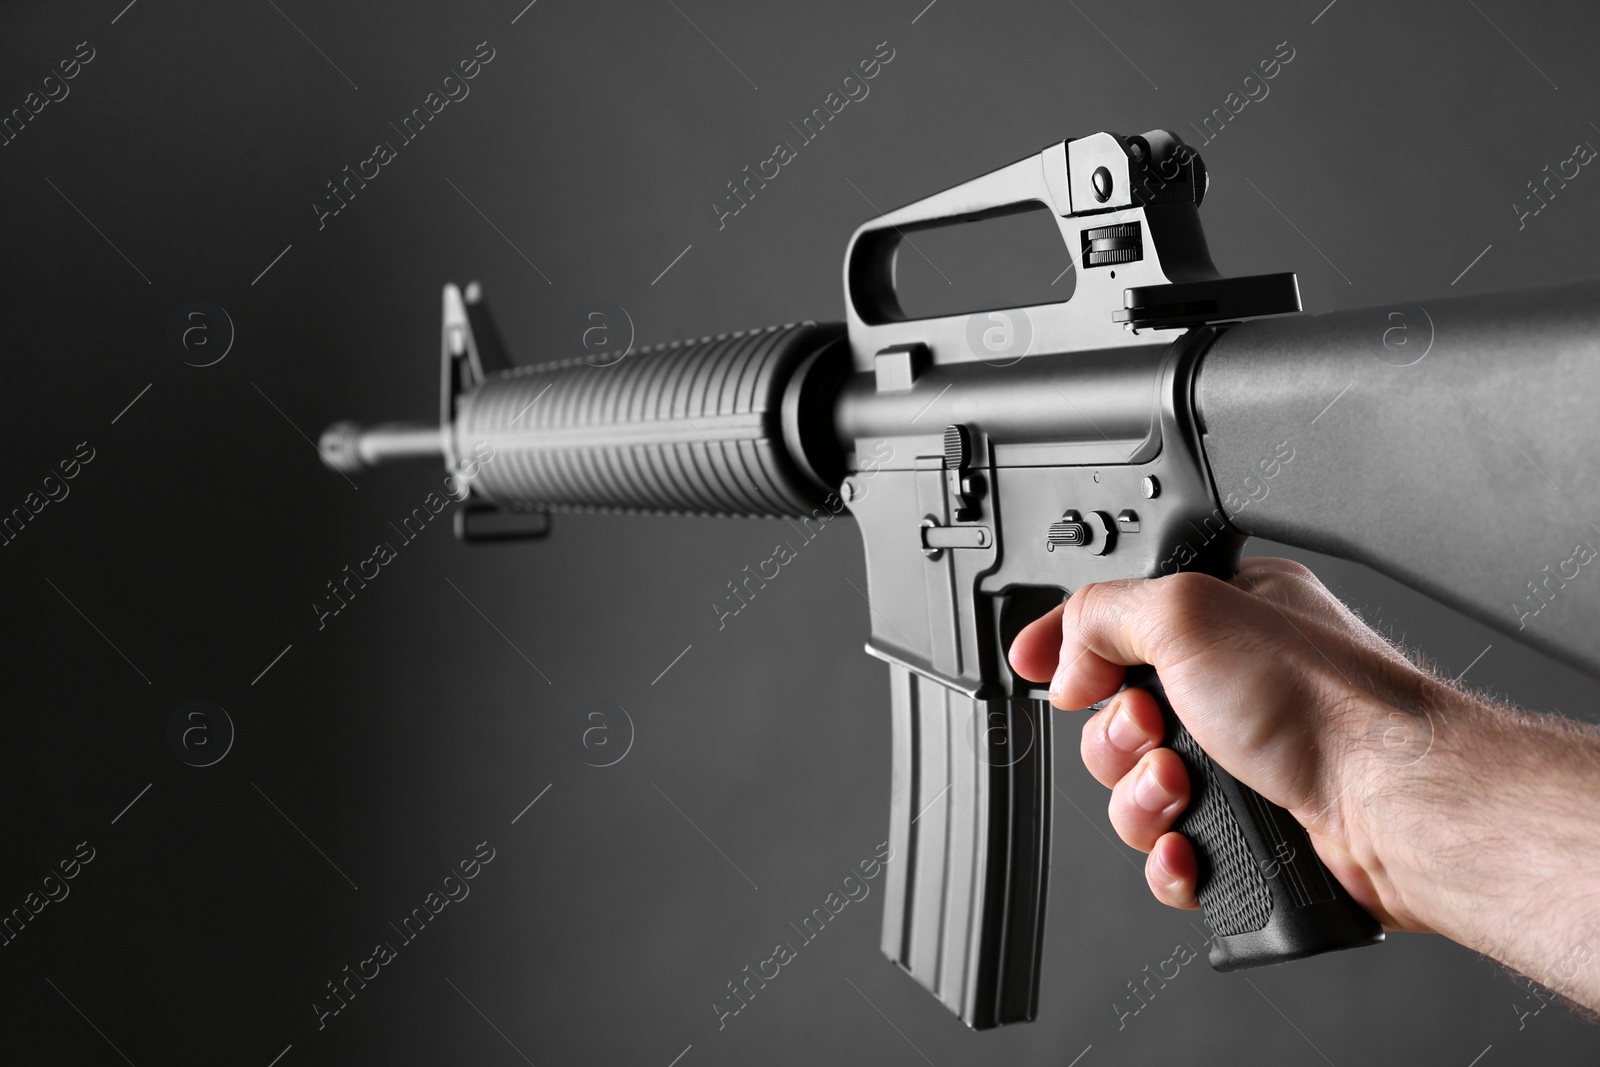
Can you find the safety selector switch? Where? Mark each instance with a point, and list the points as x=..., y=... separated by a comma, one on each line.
x=1069, y=532
x=1095, y=532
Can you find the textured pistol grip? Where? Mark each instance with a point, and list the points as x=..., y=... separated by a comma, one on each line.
x=969, y=829
x=1266, y=895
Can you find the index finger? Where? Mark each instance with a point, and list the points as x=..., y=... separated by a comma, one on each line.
x=1109, y=626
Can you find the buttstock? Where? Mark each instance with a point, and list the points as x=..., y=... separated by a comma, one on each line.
x=1449, y=444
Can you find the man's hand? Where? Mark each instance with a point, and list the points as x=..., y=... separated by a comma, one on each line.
x=1436, y=810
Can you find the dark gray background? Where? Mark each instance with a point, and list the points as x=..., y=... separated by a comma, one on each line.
x=412, y=728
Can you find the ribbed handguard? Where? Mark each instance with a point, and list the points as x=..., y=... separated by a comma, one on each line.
x=725, y=425
x=1266, y=894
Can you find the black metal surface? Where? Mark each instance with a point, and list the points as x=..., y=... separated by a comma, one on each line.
x=969, y=824
x=686, y=428
x=1188, y=303
x=1450, y=444
x=742, y=424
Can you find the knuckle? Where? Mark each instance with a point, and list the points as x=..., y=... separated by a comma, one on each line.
x=1276, y=565
x=1281, y=581
x=1298, y=571
x=1186, y=593
x=1270, y=585
x=1084, y=604
x=1185, y=605
x=1093, y=611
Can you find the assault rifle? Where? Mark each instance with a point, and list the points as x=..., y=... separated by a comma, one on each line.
x=1135, y=434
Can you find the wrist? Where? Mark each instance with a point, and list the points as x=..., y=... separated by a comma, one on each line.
x=1472, y=814
x=1398, y=798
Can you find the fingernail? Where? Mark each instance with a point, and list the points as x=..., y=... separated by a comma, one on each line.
x=1123, y=732
x=1150, y=794
x=1162, y=872
x=1058, y=681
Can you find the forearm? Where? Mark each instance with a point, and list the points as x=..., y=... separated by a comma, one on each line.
x=1490, y=835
